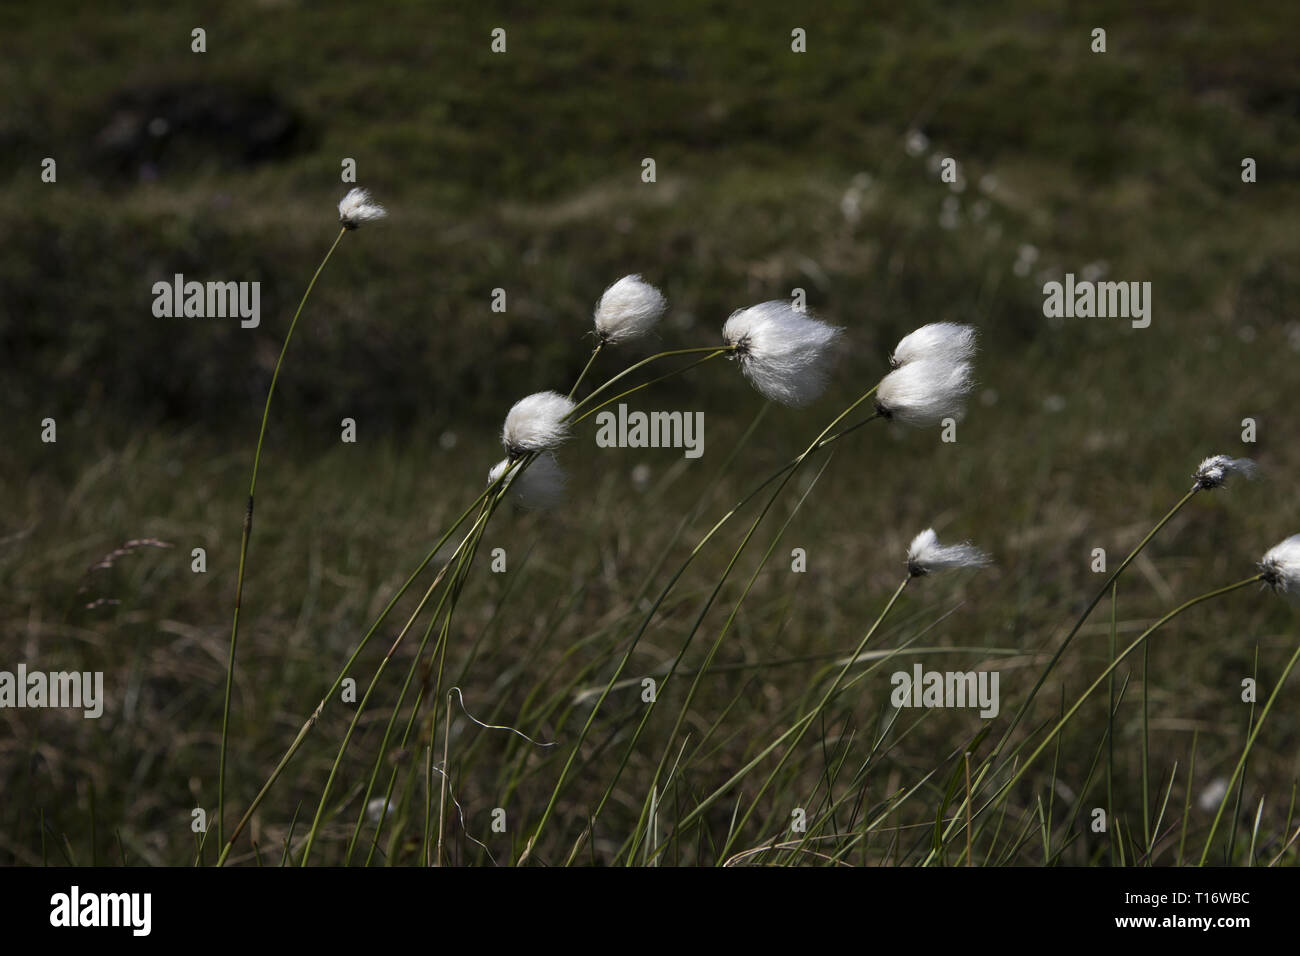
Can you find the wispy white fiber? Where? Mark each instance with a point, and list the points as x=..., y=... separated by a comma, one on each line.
x=356, y=207
x=926, y=554
x=1217, y=469
x=938, y=340
x=785, y=354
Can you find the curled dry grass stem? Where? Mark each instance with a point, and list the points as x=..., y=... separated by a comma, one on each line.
x=475, y=529
x=466, y=555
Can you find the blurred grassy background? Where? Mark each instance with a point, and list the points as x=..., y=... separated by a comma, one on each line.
x=522, y=171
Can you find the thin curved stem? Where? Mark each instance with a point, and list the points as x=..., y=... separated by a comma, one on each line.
x=1227, y=589
x=823, y=439
x=1250, y=743
x=586, y=368
x=1110, y=581
x=654, y=381
x=646, y=361
x=243, y=544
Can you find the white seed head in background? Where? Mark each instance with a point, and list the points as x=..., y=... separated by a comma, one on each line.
x=926, y=554
x=1213, y=794
x=1217, y=469
x=938, y=340
x=628, y=309
x=925, y=392
x=356, y=208
x=536, y=423
x=1281, y=566
x=786, y=355
x=539, y=488
x=377, y=809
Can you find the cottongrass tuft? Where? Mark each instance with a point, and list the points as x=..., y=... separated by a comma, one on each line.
x=926, y=554
x=356, y=208
x=539, y=488
x=536, y=423
x=628, y=309
x=786, y=355
x=1217, y=469
x=925, y=391
x=1281, y=566
x=938, y=340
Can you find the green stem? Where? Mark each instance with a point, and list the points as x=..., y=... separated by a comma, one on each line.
x=1250, y=742
x=243, y=544
x=646, y=361
x=1042, y=678
x=1115, y=663
x=586, y=368
x=654, y=381
x=1146, y=746
x=1110, y=711
x=382, y=751
x=457, y=585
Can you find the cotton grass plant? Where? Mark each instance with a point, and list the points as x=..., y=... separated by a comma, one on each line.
x=787, y=356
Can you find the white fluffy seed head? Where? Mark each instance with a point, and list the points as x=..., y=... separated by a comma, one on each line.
x=628, y=309
x=356, y=208
x=939, y=340
x=539, y=487
x=925, y=391
x=1217, y=469
x=536, y=423
x=1281, y=566
x=926, y=554
x=785, y=355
